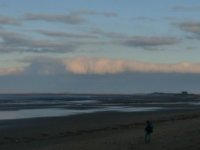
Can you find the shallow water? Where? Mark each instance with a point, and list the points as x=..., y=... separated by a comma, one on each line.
x=53, y=112
x=18, y=106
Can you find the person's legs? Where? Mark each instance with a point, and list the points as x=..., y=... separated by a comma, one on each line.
x=147, y=138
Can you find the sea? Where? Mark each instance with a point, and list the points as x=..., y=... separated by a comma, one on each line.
x=22, y=106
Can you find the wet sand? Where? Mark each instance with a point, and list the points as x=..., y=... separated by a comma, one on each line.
x=103, y=131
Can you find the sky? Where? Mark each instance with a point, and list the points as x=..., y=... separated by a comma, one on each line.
x=99, y=46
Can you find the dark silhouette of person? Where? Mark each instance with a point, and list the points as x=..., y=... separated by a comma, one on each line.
x=148, y=131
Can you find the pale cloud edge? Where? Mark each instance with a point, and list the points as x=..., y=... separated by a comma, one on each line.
x=98, y=66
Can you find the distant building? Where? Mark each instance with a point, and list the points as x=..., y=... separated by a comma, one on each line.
x=184, y=93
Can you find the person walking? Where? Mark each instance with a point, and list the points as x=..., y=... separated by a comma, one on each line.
x=148, y=131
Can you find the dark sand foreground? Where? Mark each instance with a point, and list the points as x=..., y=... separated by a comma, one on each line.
x=103, y=131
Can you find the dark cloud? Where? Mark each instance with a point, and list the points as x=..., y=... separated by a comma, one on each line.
x=16, y=42
x=5, y=20
x=183, y=8
x=150, y=41
x=190, y=26
x=110, y=14
x=13, y=38
x=112, y=35
x=69, y=42
x=144, y=18
x=84, y=12
x=62, y=42
x=92, y=12
x=72, y=18
x=173, y=19
x=65, y=34
x=76, y=17
x=137, y=41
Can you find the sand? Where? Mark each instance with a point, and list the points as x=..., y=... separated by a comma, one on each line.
x=103, y=131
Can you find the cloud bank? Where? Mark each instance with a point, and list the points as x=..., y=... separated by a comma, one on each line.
x=98, y=66
x=86, y=65
x=106, y=75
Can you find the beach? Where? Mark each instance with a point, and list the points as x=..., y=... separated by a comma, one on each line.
x=103, y=131
x=93, y=74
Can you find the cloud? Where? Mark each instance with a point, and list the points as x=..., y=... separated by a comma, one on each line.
x=74, y=18
x=183, y=8
x=86, y=65
x=65, y=34
x=44, y=66
x=5, y=20
x=110, y=14
x=11, y=70
x=63, y=42
x=141, y=41
x=17, y=42
x=112, y=35
x=144, y=18
x=84, y=12
x=93, y=12
x=135, y=41
x=67, y=19
x=9, y=37
x=190, y=26
x=96, y=66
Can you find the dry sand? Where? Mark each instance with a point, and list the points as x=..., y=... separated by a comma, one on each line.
x=104, y=131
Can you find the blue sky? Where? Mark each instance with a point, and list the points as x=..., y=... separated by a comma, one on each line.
x=81, y=43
